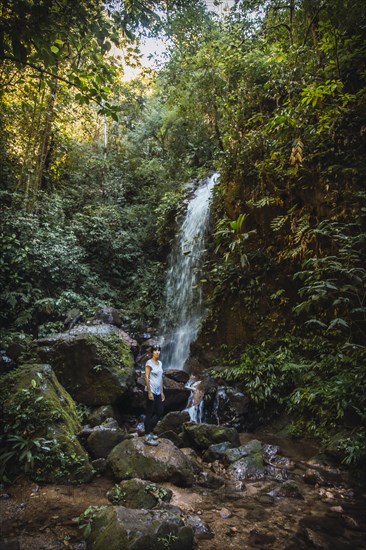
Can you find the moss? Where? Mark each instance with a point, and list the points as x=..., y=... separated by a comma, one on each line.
x=96, y=370
x=39, y=427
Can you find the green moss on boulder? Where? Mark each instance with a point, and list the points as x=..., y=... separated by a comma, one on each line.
x=39, y=426
x=96, y=368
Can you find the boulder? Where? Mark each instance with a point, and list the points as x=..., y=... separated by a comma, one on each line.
x=94, y=363
x=231, y=455
x=119, y=528
x=201, y=436
x=42, y=415
x=165, y=462
x=287, y=489
x=178, y=375
x=104, y=438
x=137, y=493
x=98, y=415
x=216, y=451
x=172, y=423
x=176, y=395
x=227, y=406
x=251, y=465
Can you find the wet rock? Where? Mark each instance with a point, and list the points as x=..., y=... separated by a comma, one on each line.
x=172, y=422
x=94, y=363
x=57, y=420
x=118, y=527
x=104, y=438
x=201, y=436
x=225, y=513
x=177, y=375
x=288, y=489
x=209, y=481
x=216, y=452
x=99, y=415
x=137, y=493
x=200, y=528
x=227, y=406
x=250, y=466
x=233, y=454
x=270, y=452
x=165, y=462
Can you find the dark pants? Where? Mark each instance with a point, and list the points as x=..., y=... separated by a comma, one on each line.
x=154, y=411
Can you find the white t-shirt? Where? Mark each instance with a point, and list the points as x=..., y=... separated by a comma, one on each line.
x=156, y=376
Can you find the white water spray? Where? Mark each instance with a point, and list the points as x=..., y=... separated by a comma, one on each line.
x=183, y=293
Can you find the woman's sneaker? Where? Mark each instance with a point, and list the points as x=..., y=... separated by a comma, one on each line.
x=149, y=440
x=154, y=436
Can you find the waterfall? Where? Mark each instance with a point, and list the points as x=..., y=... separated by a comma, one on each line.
x=180, y=325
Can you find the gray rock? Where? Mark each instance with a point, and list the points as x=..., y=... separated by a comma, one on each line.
x=173, y=420
x=200, y=528
x=165, y=462
x=287, y=489
x=99, y=415
x=118, y=528
x=250, y=466
x=227, y=406
x=103, y=439
x=137, y=493
x=94, y=363
x=216, y=451
x=201, y=436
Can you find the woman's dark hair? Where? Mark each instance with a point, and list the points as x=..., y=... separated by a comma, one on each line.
x=155, y=347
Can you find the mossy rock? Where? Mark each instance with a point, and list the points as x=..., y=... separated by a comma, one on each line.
x=249, y=467
x=165, y=462
x=119, y=528
x=201, y=436
x=137, y=493
x=40, y=424
x=95, y=368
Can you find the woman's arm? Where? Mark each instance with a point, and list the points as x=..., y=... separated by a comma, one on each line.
x=147, y=381
x=162, y=390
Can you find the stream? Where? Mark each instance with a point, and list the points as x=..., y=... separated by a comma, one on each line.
x=325, y=512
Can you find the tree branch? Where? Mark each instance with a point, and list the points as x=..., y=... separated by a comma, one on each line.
x=44, y=71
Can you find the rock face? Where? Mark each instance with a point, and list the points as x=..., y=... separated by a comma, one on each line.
x=165, y=462
x=227, y=406
x=35, y=403
x=118, y=528
x=93, y=363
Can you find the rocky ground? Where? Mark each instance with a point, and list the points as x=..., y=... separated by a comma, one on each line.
x=313, y=512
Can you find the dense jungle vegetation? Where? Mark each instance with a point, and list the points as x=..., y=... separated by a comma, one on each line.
x=272, y=94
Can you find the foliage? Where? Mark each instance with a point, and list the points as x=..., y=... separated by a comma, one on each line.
x=23, y=427
x=322, y=386
x=85, y=520
x=118, y=494
x=334, y=285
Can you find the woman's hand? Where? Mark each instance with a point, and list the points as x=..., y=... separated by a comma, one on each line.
x=150, y=395
x=162, y=396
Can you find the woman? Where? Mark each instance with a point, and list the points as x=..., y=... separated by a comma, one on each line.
x=155, y=394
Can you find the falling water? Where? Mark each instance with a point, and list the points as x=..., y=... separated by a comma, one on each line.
x=183, y=293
